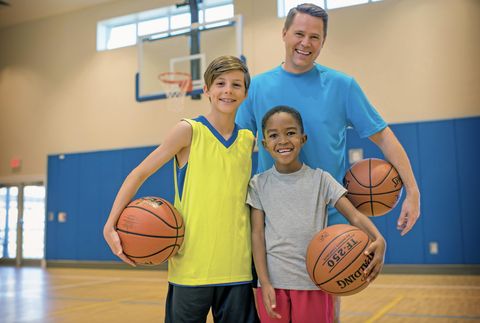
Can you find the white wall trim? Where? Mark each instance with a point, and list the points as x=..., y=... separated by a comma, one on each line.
x=25, y=179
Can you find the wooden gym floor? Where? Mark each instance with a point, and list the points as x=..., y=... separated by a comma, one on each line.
x=100, y=295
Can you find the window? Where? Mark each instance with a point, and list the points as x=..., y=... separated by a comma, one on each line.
x=152, y=26
x=285, y=5
x=122, y=36
x=163, y=22
x=180, y=21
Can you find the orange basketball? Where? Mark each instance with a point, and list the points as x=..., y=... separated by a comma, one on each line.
x=336, y=260
x=374, y=186
x=151, y=230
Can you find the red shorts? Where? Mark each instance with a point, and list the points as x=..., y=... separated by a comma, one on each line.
x=299, y=306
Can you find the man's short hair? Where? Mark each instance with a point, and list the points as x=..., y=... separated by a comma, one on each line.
x=309, y=9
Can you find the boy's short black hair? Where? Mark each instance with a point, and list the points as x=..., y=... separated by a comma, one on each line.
x=283, y=108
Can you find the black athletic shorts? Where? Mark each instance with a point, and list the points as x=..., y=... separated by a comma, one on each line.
x=229, y=304
x=255, y=276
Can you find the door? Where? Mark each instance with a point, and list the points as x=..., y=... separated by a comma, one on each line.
x=22, y=224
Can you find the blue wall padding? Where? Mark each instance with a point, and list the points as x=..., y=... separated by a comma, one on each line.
x=84, y=186
x=64, y=185
x=467, y=136
x=445, y=157
x=439, y=181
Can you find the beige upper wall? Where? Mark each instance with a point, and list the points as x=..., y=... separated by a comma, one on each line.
x=415, y=59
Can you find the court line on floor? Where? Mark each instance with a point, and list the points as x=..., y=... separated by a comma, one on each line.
x=78, y=308
x=461, y=287
x=91, y=299
x=380, y=313
x=75, y=285
x=118, y=278
x=90, y=306
x=460, y=317
x=412, y=315
x=46, y=287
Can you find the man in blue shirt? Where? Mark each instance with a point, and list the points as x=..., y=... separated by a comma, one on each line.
x=329, y=102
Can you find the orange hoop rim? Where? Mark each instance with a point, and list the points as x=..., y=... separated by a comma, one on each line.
x=162, y=76
x=185, y=83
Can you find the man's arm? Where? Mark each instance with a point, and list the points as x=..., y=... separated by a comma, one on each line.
x=393, y=151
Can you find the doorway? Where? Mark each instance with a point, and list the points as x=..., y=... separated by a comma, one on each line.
x=22, y=224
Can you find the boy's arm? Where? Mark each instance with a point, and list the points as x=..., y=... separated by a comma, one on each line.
x=177, y=141
x=260, y=258
x=393, y=151
x=377, y=246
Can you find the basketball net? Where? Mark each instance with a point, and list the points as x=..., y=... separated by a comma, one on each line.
x=176, y=85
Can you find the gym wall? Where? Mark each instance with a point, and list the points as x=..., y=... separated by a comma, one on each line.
x=417, y=61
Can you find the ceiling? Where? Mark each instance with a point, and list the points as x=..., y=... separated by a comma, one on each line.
x=19, y=11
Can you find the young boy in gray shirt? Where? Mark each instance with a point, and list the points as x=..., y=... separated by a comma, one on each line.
x=288, y=206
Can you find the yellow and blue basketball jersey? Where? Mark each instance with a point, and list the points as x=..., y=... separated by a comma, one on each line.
x=216, y=249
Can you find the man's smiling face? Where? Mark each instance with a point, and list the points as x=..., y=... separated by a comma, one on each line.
x=303, y=41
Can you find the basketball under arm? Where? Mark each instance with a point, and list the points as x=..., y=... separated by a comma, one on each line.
x=394, y=152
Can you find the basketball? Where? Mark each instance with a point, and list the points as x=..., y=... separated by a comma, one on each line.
x=374, y=186
x=336, y=260
x=151, y=230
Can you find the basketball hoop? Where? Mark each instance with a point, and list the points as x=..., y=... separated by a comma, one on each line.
x=176, y=86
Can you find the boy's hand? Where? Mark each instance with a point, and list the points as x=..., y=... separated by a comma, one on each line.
x=377, y=248
x=269, y=301
x=113, y=240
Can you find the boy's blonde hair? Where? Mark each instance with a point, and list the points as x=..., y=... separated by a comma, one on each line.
x=222, y=65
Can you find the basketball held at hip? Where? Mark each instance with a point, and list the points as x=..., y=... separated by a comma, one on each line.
x=151, y=230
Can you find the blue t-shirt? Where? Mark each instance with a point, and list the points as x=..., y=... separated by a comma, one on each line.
x=329, y=102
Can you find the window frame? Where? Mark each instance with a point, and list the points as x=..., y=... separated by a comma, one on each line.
x=282, y=10
x=106, y=28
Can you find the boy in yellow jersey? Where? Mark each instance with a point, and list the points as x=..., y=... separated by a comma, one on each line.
x=212, y=161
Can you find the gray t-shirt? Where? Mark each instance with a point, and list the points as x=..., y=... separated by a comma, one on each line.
x=295, y=207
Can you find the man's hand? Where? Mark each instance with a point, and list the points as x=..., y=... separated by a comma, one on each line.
x=409, y=214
